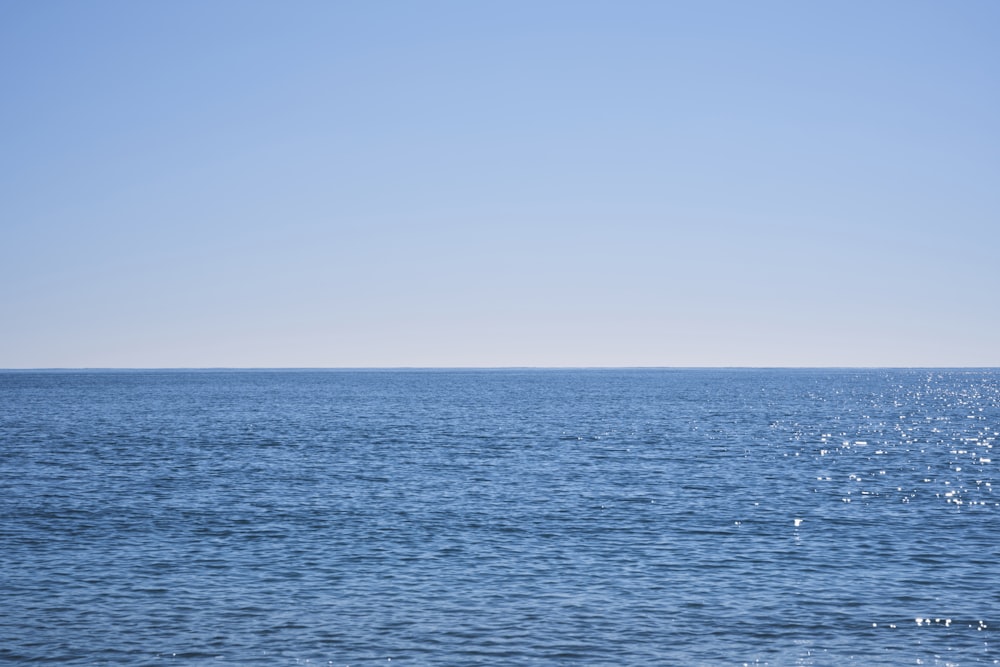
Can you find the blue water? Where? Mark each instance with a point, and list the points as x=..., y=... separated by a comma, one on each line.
x=617, y=517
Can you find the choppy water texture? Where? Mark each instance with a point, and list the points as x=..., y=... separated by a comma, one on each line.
x=709, y=517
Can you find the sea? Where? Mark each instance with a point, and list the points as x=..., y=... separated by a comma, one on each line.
x=500, y=517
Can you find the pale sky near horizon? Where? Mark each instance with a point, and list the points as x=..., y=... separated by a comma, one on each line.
x=363, y=184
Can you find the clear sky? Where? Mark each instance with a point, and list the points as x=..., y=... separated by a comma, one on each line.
x=499, y=183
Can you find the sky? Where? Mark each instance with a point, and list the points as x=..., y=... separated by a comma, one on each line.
x=500, y=183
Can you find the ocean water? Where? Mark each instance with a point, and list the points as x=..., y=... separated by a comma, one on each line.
x=535, y=517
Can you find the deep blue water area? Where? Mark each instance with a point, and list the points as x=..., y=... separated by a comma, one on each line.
x=421, y=517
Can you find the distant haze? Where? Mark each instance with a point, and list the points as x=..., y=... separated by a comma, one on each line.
x=311, y=184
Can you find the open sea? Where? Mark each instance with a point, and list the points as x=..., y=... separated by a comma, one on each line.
x=500, y=517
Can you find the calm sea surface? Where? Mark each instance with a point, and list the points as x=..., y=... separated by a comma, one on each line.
x=612, y=517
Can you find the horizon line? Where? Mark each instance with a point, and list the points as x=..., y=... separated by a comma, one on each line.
x=480, y=368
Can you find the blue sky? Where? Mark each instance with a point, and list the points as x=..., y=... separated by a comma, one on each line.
x=499, y=184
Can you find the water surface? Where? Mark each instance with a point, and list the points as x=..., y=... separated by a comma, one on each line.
x=695, y=517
